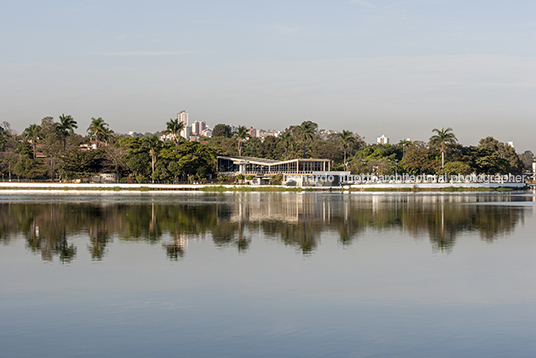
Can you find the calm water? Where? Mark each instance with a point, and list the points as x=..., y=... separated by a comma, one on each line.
x=268, y=275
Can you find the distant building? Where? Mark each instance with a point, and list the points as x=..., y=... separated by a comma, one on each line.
x=202, y=126
x=511, y=144
x=196, y=128
x=207, y=133
x=383, y=140
x=252, y=132
x=182, y=116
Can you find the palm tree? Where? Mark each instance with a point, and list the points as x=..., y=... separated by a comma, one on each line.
x=66, y=127
x=306, y=132
x=99, y=129
x=347, y=139
x=175, y=127
x=241, y=134
x=442, y=139
x=32, y=133
x=153, y=143
x=286, y=139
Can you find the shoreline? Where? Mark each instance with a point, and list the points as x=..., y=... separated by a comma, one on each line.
x=16, y=187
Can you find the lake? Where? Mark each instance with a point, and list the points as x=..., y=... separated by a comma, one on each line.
x=268, y=275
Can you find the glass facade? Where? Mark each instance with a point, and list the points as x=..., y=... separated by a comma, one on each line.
x=252, y=166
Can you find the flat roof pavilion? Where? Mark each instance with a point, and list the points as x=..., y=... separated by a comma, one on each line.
x=260, y=166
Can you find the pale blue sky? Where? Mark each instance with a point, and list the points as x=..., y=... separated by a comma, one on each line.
x=399, y=68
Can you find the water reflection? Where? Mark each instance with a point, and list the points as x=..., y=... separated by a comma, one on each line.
x=296, y=220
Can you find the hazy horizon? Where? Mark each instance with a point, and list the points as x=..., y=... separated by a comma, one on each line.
x=394, y=68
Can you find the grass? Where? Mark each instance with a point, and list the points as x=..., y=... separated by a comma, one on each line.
x=269, y=189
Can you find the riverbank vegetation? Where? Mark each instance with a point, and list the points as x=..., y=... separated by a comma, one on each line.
x=54, y=151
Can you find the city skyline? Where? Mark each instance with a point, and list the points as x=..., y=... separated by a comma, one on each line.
x=394, y=68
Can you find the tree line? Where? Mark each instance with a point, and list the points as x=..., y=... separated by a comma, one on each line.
x=52, y=150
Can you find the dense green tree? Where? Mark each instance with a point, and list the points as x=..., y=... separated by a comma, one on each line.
x=285, y=141
x=418, y=159
x=252, y=147
x=222, y=130
x=488, y=161
x=223, y=146
x=456, y=167
x=8, y=154
x=269, y=148
x=3, y=138
x=189, y=158
x=504, y=151
x=82, y=164
x=328, y=149
x=527, y=158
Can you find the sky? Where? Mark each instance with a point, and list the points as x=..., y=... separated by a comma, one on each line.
x=392, y=67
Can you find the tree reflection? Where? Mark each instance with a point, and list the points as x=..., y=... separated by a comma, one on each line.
x=99, y=239
x=296, y=220
x=176, y=248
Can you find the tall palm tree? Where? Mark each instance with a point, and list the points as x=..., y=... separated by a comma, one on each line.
x=99, y=130
x=241, y=134
x=32, y=133
x=306, y=132
x=66, y=127
x=175, y=127
x=346, y=139
x=153, y=143
x=442, y=139
x=286, y=139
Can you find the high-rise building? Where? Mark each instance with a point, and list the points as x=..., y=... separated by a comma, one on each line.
x=196, y=128
x=252, y=132
x=182, y=116
x=383, y=140
x=202, y=126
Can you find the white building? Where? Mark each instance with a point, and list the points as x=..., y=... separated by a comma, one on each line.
x=182, y=116
x=383, y=140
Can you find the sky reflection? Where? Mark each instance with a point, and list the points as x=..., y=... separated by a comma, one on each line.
x=387, y=287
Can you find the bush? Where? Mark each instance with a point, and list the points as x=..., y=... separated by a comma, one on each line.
x=276, y=179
